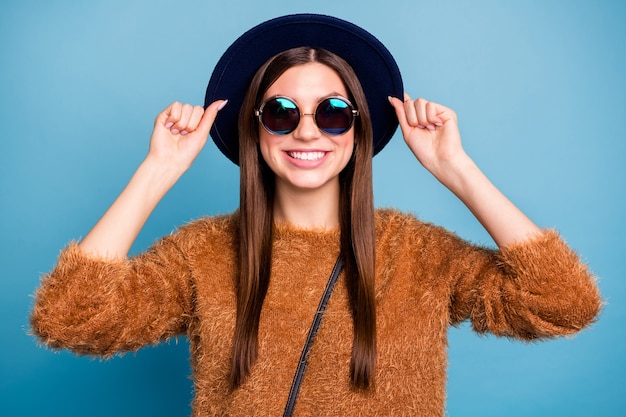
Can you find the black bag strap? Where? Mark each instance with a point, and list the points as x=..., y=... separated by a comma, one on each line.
x=304, y=356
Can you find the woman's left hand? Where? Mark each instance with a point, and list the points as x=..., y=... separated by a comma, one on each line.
x=432, y=133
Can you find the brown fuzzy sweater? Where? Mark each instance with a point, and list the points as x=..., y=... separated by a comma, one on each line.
x=427, y=280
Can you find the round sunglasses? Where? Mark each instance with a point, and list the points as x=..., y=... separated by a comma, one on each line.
x=281, y=115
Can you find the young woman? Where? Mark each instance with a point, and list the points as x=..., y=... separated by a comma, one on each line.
x=302, y=115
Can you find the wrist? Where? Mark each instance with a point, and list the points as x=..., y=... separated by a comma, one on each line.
x=156, y=177
x=458, y=174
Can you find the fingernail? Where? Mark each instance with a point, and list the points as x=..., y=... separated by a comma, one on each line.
x=168, y=125
x=439, y=124
x=175, y=131
x=183, y=132
x=222, y=105
x=421, y=127
x=430, y=127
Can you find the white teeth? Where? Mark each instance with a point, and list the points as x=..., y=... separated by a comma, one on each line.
x=307, y=156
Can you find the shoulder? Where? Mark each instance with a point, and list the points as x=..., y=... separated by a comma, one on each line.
x=391, y=216
x=394, y=221
x=219, y=230
x=216, y=224
x=408, y=229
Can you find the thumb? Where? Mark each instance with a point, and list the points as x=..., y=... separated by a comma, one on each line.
x=210, y=113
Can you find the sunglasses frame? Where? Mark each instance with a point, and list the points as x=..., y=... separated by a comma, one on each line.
x=259, y=114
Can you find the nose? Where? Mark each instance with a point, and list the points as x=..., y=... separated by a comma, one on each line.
x=307, y=128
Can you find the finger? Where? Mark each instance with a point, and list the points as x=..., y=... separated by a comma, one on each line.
x=169, y=116
x=209, y=115
x=410, y=111
x=432, y=114
x=422, y=114
x=194, y=120
x=181, y=125
x=441, y=114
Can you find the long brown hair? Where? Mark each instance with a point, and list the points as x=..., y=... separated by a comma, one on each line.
x=356, y=217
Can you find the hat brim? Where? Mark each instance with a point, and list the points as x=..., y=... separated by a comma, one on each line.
x=372, y=62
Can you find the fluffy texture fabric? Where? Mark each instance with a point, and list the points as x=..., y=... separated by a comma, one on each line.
x=427, y=280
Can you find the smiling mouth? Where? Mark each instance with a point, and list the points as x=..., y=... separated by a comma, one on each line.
x=306, y=156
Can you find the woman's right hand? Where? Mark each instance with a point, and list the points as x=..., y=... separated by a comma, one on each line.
x=180, y=132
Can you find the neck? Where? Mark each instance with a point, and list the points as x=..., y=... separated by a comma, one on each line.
x=310, y=209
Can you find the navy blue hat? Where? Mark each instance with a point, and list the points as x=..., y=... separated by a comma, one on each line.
x=372, y=62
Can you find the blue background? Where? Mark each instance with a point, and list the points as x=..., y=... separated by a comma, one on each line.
x=539, y=87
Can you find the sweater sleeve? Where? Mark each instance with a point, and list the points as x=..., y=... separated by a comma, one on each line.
x=536, y=289
x=100, y=307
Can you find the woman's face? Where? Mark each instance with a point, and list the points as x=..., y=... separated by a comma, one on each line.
x=306, y=158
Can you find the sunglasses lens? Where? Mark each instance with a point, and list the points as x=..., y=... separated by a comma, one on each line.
x=334, y=116
x=280, y=115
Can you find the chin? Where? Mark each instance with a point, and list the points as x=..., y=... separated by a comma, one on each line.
x=311, y=184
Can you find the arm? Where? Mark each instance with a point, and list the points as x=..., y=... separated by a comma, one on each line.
x=535, y=289
x=535, y=286
x=102, y=306
x=431, y=132
x=180, y=132
x=95, y=301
